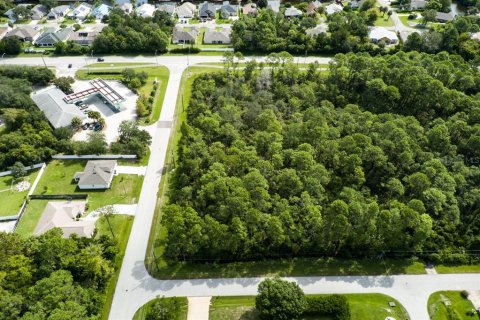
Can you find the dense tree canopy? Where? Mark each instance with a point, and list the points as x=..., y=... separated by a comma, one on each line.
x=131, y=33
x=376, y=156
x=48, y=277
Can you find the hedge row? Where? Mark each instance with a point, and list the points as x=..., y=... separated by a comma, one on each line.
x=335, y=306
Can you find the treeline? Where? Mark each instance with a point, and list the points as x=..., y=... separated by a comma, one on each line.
x=134, y=34
x=27, y=136
x=453, y=37
x=49, y=277
x=379, y=155
x=271, y=32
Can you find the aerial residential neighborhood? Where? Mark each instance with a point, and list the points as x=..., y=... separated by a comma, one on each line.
x=234, y=160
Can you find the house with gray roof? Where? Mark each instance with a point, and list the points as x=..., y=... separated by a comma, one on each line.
x=97, y=174
x=3, y=31
x=183, y=35
x=80, y=12
x=318, y=29
x=56, y=110
x=168, y=7
x=207, y=11
x=418, y=4
x=58, y=12
x=444, y=17
x=52, y=36
x=84, y=37
x=25, y=33
x=186, y=10
x=217, y=36
x=63, y=215
x=228, y=10
x=38, y=12
x=250, y=8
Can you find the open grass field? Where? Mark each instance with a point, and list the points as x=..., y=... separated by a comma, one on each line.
x=362, y=307
x=121, y=225
x=11, y=199
x=155, y=73
x=58, y=179
x=142, y=312
x=447, y=305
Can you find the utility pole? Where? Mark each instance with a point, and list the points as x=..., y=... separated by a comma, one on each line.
x=43, y=59
x=156, y=59
x=2, y=58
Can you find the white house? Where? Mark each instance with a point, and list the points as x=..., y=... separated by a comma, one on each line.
x=292, y=12
x=145, y=10
x=98, y=174
x=80, y=12
x=381, y=34
x=333, y=8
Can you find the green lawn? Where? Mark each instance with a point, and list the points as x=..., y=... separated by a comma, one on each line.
x=471, y=268
x=107, y=65
x=159, y=73
x=405, y=21
x=121, y=225
x=30, y=217
x=362, y=307
x=142, y=312
x=446, y=305
x=12, y=200
x=384, y=21
x=58, y=179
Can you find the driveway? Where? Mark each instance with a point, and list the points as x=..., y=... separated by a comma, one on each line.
x=198, y=308
x=131, y=170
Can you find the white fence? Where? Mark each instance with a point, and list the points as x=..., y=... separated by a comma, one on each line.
x=95, y=157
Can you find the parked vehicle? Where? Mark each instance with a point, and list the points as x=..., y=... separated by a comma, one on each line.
x=86, y=111
x=85, y=126
x=69, y=65
x=79, y=103
x=91, y=126
x=97, y=127
x=100, y=59
x=83, y=107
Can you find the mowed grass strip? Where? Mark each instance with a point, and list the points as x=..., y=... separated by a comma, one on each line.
x=372, y=306
x=182, y=315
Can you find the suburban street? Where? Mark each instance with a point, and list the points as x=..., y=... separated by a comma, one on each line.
x=135, y=286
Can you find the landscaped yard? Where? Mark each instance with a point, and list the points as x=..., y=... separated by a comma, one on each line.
x=142, y=312
x=384, y=21
x=158, y=73
x=406, y=22
x=447, y=305
x=58, y=179
x=10, y=199
x=362, y=307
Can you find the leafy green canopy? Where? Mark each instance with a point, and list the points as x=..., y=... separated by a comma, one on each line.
x=48, y=277
x=378, y=155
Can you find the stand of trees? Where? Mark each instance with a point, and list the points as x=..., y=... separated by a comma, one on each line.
x=49, y=277
x=134, y=34
x=28, y=137
x=380, y=155
x=454, y=37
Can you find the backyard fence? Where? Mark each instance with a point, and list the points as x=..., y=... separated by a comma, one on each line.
x=59, y=196
x=35, y=166
x=95, y=157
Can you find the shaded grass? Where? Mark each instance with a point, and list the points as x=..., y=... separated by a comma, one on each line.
x=121, y=225
x=459, y=306
x=12, y=200
x=142, y=312
x=362, y=307
x=30, y=217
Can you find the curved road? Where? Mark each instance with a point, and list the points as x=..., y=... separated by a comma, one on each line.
x=135, y=286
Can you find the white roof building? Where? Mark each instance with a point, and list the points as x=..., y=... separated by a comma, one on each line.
x=145, y=10
x=58, y=112
x=293, y=12
x=320, y=28
x=274, y=5
x=381, y=34
x=80, y=12
x=333, y=8
x=63, y=214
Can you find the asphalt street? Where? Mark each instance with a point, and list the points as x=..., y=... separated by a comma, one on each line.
x=135, y=286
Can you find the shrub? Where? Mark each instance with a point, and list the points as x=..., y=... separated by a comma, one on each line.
x=412, y=16
x=464, y=294
x=185, y=50
x=335, y=306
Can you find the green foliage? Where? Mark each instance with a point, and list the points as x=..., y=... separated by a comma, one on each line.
x=184, y=50
x=18, y=170
x=49, y=3
x=70, y=48
x=52, y=277
x=10, y=45
x=133, y=79
x=335, y=306
x=280, y=299
x=131, y=33
x=132, y=140
x=64, y=84
x=165, y=309
x=373, y=157
x=95, y=144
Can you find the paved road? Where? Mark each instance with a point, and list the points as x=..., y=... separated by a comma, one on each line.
x=135, y=286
